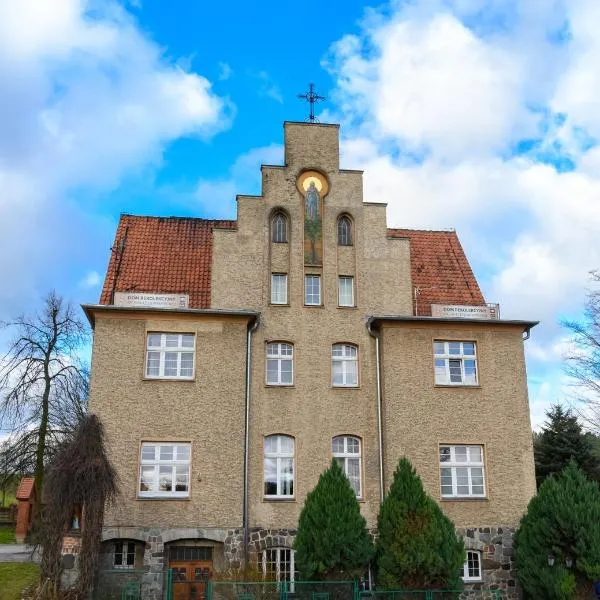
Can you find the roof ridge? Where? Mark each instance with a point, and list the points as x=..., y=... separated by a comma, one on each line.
x=448, y=230
x=175, y=217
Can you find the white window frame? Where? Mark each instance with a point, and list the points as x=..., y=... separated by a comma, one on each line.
x=279, y=233
x=466, y=576
x=312, y=277
x=280, y=456
x=279, y=285
x=277, y=571
x=346, y=455
x=157, y=462
x=275, y=354
x=344, y=238
x=127, y=549
x=344, y=279
x=442, y=351
x=344, y=359
x=163, y=349
x=469, y=464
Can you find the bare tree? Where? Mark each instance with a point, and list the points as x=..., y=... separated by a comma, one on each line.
x=43, y=385
x=583, y=362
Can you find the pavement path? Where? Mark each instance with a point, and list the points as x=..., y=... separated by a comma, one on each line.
x=18, y=553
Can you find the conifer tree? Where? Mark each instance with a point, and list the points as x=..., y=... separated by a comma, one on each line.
x=333, y=541
x=562, y=522
x=560, y=441
x=417, y=545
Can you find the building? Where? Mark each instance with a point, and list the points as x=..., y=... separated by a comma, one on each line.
x=233, y=359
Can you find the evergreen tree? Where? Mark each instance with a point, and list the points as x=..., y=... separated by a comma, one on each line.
x=417, y=545
x=560, y=441
x=333, y=541
x=563, y=522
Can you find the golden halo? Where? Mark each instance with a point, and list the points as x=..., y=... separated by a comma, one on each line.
x=308, y=177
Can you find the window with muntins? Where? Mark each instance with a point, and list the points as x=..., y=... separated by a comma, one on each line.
x=164, y=470
x=277, y=564
x=279, y=288
x=344, y=231
x=279, y=466
x=280, y=363
x=472, y=566
x=312, y=290
x=344, y=365
x=461, y=472
x=346, y=291
x=346, y=451
x=455, y=363
x=124, y=556
x=170, y=355
x=279, y=229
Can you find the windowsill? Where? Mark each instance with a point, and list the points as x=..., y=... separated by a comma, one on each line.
x=467, y=581
x=279, y=304
x=314, y=306
x=348, y=307
x=345, y=387
x=161, y=498
x=461, y=386
x=275, y=499
x=170, y=379
x=464, y=499
x=279, y=386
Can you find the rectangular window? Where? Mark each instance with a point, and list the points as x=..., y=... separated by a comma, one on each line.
x=278, y=565
x=124, y=557
x=278, y=288
x=312, y=290
x=344, y=365
x=346, y=291
x=164, y=470
x=472, y=566
x=170, y=355
x=279, y=466
x=461, y=472
x=455, y=363
x=280, y=364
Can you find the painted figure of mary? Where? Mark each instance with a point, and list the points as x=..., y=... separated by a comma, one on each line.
x=312, y=202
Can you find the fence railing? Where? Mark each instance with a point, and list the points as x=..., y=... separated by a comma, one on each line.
x=118, y=584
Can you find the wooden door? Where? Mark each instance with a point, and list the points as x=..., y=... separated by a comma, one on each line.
x=189, y=579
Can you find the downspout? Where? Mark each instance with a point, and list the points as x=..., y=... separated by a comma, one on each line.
x=527, y=333
x=251, y=329
x=375, y=334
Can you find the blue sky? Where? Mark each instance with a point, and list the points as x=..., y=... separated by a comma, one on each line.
x=480, y=115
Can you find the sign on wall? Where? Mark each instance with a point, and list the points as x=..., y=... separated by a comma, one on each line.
x=151, y=300
x=465, y=312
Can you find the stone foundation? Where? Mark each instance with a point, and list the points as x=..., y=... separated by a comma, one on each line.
x=497, y=562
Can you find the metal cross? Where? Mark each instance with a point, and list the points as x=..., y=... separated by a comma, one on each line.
x=311, y=97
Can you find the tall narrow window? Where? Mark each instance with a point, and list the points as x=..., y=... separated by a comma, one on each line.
x=170, y=355
x=312, y=290
x=461, y=471
x=344, y=365
x=472, y=566
x=278, y=288
x=280, y=364
x=279, y=466
x=279, y=229
x=278, y=565
x=124, y=556
x=344, y=231
x=346, y=451
x=346, y=291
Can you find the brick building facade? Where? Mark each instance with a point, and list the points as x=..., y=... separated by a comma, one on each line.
x=305, y=332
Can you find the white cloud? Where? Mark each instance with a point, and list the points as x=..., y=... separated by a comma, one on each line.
x=87, y=98
x=225, y=71
x=91, y=280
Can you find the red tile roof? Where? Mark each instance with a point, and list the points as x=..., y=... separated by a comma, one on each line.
x=25, y=489
x=440, y=270
x=174, y=255
x=163, y=254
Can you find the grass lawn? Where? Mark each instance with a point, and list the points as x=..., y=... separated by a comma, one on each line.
x=7, y=536
x=16, y=576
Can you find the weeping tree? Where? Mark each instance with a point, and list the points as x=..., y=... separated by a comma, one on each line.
x=43, y=386
x=79, y=475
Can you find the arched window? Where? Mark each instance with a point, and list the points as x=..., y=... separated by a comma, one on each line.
x=344, y=365
x=346, y=451
x=279, y=466
x=279, y=233
x=344, y=231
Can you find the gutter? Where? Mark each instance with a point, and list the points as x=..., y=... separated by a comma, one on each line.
x=376, y=335
x=245, y=509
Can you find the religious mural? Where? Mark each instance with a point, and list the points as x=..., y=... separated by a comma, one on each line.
x=313, y=186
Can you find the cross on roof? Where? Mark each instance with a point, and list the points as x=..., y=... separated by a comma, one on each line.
x=311, y=97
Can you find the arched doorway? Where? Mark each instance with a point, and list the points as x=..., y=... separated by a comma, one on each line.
x=191, y=564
